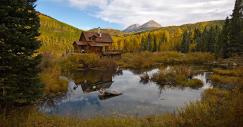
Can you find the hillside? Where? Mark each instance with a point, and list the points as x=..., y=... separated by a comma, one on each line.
x=161, y=39
x=56, y=37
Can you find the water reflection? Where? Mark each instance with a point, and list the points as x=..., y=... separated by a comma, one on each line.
x=204, y=77
x=82, y=98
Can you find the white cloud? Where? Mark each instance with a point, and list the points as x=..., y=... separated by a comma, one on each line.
x=82, y=4
x=166, y=12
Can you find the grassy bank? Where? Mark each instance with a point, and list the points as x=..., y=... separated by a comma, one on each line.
x=148, y=59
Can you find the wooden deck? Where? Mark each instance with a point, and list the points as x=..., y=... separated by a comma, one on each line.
x=112, y=54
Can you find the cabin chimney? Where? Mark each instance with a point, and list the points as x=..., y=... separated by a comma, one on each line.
x=99, y=32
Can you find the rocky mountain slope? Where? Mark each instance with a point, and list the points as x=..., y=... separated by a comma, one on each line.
x=146, y=26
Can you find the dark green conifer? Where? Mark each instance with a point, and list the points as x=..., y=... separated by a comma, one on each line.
x=236, y=45
x=19, y=26
x=223, y=41
x=185, y=42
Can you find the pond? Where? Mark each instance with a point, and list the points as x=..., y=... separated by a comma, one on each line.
x=137, y=99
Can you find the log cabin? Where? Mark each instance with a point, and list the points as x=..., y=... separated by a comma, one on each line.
x=95, y=42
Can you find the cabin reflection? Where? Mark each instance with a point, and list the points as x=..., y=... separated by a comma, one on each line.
x=87, y=88
x=82, y=92
x=93, y=81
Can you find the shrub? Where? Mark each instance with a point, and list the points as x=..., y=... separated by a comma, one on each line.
x=52, y=83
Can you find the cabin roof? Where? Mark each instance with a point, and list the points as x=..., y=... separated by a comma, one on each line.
x=96, y=37
x=80, y=43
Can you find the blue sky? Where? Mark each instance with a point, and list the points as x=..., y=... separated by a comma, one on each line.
x=76, y=17
x=118, y=14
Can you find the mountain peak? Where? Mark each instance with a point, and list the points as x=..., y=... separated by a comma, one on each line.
x=152, y=21
x=151, y=24
x=132, y=28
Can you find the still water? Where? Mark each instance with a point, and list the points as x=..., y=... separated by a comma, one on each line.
x=137, y=99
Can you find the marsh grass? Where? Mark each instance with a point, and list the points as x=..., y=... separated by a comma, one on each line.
x=86, y=61
x=50, y=77
x=176, y=76
x=194, y=83
x=238, y=72
x=148, y=59
x=136, y=60
x=229, y=78
x=30, y=117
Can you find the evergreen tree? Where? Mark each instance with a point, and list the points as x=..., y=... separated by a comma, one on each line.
x=149, y=42
x=155, y=44
x=19, y=25
x=185, y=42
x=211, y=42
x=198, y=39
x=143, y=44
x=236, y=45
x=223, y=42
x=241, y=25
